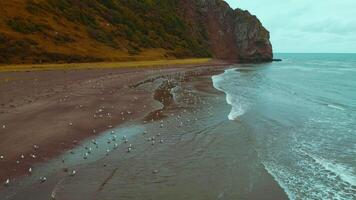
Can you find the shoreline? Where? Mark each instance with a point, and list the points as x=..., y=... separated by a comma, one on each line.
x=186, y=113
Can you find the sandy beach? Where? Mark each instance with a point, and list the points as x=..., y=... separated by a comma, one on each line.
x=151, y=133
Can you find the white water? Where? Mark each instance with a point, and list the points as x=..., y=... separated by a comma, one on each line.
x=302, y=114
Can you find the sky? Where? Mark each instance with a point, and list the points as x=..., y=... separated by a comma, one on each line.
x=306, y=26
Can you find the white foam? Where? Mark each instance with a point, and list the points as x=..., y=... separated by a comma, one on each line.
x=343, y=171
x=335, y=107
x=237, y=108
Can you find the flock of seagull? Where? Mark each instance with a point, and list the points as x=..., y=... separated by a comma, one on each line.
x=89, y=150
x=113, y=139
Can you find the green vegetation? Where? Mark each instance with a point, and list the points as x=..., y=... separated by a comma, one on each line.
x=141, y=23
x=26, y=26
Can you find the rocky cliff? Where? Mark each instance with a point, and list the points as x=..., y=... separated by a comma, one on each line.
x=47, y=31
x=232, y=34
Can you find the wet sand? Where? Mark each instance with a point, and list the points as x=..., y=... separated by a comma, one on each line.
x=197, y=152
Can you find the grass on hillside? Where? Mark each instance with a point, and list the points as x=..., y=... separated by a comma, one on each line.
x=101, y=65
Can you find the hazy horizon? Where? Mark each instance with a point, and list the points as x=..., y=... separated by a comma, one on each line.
x=323, y=26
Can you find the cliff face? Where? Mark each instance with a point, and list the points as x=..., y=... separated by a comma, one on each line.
x=47, y=31
x=232, y=34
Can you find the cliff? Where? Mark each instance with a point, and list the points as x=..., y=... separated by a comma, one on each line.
x=48, y=31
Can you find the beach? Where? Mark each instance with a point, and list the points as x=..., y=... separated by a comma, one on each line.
x=129, y=133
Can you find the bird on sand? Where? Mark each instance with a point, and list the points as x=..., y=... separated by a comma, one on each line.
x=7, y=182
x=43, y=179
x=73, y=173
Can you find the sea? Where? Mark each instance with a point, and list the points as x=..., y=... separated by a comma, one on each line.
x=301, y=113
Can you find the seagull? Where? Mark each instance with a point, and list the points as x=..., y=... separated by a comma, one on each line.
x=33, y=156
x=43, y=179
x=153, y=142
x=129, y=149
x=22, y=156
x=30, y=170
x=36, y=146
x=7, y=182
x=85, y=156
x=107, y=151
x=144, y=132
x=73, y=173
x=70, y=124
x=116, y=146
x=2, y=157
x=161, y=141
x=3, y=126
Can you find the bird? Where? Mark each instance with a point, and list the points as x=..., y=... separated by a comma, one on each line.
x=43, y=179
x=73, y=173
x=22, y=156
x=30, y=170
x=7, y=182
x=116, y=146
x=161, y=141
x=2, y=157
x=129, y=150
x=85, y=156
x=36, y=146
x=153, y=142
x=3, y=126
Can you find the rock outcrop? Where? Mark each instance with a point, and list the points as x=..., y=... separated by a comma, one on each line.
x=232, y=34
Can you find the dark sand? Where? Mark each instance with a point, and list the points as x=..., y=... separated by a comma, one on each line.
x=203, y=155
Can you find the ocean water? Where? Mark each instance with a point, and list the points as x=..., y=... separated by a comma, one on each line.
x=302, y=114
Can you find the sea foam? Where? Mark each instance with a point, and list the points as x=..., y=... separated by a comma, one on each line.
x=220, y=82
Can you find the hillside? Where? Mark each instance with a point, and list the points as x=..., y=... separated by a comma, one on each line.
x=58, y=31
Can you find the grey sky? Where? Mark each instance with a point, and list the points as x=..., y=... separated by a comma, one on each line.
x=306, y=25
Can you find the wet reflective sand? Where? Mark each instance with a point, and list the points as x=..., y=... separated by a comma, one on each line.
x=193, y=153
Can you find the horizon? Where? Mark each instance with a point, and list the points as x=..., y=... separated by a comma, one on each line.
x=324, y=26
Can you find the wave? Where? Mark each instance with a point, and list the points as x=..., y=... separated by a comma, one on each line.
x=342, y=171
x=335, y=107
x=317, y=179
x=231, y=98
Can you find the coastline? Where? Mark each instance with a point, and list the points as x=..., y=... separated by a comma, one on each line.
x=55, y=110
x=195, y=101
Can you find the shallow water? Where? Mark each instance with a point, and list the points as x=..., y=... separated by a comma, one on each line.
x=302, y=114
